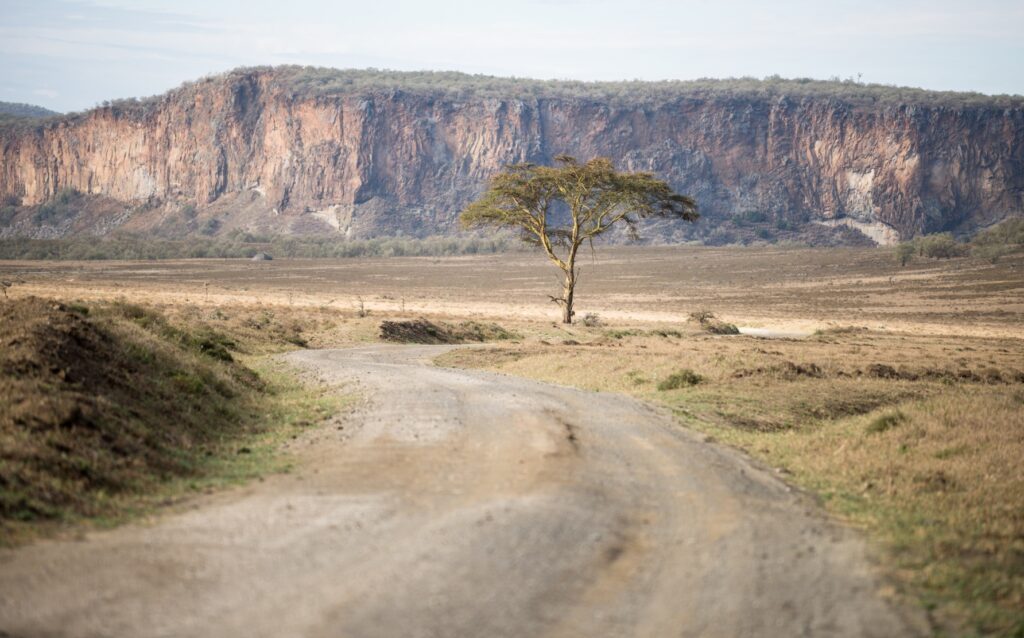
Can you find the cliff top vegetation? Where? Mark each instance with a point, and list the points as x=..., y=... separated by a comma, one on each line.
x=322, y=82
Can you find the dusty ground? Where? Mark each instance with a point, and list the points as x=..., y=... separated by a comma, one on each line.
x=461, y=503
x=923, y=460
x=786, y=289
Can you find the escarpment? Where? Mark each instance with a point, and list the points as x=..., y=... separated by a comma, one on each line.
x=271, y=150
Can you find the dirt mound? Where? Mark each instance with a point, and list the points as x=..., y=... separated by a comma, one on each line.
x=98, y=405
x=426, y=332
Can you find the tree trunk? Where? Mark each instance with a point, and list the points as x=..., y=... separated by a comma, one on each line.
x=569, y=286
x=567, y=311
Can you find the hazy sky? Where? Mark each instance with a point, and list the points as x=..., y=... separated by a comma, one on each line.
x=72, y=54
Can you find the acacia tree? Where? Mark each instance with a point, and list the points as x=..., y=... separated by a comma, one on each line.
x=597, y=197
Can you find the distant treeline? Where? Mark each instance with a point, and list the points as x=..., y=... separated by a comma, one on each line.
x=991, y=244
x=17, y=109
x=244, y=245
x=322, y=81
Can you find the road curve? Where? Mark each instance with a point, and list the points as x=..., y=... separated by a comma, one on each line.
x=461, y=503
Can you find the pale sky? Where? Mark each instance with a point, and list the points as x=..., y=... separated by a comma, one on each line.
x=72, y=54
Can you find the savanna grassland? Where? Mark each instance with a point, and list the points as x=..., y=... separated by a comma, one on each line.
x=893, y=394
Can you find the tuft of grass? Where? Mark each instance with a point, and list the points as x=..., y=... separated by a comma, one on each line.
x=666, y=333
x=681, y=379
x=622, y=334
x=886, y=422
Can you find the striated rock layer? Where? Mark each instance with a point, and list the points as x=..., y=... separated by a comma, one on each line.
x=249, y=151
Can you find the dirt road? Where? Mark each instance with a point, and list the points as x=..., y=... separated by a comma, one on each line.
x=459, y=503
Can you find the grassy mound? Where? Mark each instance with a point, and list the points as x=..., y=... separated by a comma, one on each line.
x=102, y=404
x=426, y=332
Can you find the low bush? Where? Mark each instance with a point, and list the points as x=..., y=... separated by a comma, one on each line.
x=710, y=323
x=991, y=253
x=681, y=379
x=940, y=246
x=1007, y=233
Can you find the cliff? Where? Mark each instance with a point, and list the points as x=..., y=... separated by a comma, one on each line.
x=298, y=150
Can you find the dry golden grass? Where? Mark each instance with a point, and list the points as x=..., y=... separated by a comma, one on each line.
x=904, y=414
x=107, y=410
x=784, y=288
x=928, y=463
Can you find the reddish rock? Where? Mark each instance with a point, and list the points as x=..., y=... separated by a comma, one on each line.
x=245, y=149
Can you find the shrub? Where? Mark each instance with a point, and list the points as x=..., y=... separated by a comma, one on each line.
x=61, y=207
x=991, y=253
x=210, y=227
x=940, y=246
x=712, y=324
x=904, y=253
x=1007, y=233
x=681, y=379
x=7, y=214
x=591, y=320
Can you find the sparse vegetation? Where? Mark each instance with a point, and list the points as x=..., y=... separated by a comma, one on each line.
x=990, y=245
x=324, y=82
x=63, y=206
x=240, y=245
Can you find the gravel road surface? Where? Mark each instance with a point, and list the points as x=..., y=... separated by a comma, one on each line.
x=462, y=503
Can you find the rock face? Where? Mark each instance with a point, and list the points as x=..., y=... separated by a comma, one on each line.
x=245, y=150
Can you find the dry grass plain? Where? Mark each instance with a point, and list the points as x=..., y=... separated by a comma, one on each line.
x=897, y=398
